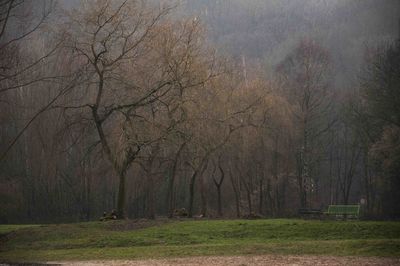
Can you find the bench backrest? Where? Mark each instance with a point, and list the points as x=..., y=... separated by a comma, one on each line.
x=344, y=209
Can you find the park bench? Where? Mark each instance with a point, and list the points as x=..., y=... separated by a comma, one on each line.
x=344, y=211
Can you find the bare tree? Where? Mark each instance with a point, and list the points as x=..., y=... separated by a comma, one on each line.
x=305, y=75
x=138, y=69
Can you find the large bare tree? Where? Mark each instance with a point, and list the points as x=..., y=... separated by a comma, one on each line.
x=138, y=70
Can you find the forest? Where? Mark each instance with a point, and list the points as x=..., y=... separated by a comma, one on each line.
x=226, y=108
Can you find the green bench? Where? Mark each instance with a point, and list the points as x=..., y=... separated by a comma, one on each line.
x=345, y=211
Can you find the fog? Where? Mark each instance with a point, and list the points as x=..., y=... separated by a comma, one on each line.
x=226, y=108
x=265, y=31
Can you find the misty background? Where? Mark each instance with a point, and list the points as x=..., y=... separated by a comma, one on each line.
x=56, y=171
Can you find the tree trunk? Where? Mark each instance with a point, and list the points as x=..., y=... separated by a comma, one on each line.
x=198, y=171
x=203, y=211
x=219, y=201
x=151, y=209
x=248, y=193
x=88, y=194
x=261, y=198
x=218, y=185
x=121, y=195
x=269, y=197
x=191, y=194
x=237, y=195
x=170, y=191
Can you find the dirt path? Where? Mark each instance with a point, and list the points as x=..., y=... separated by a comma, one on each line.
x=249, y=260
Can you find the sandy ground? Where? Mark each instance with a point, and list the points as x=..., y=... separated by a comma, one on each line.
x=248, y=260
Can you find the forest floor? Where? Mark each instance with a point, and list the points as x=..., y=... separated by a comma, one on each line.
x=192, y=242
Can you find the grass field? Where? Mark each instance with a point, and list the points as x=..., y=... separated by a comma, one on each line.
x=134, y=240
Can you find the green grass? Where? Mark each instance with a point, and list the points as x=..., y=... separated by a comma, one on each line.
x=7, y=228
x=97, y=240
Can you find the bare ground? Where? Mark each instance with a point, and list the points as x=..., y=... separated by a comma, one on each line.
x=248, y=260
